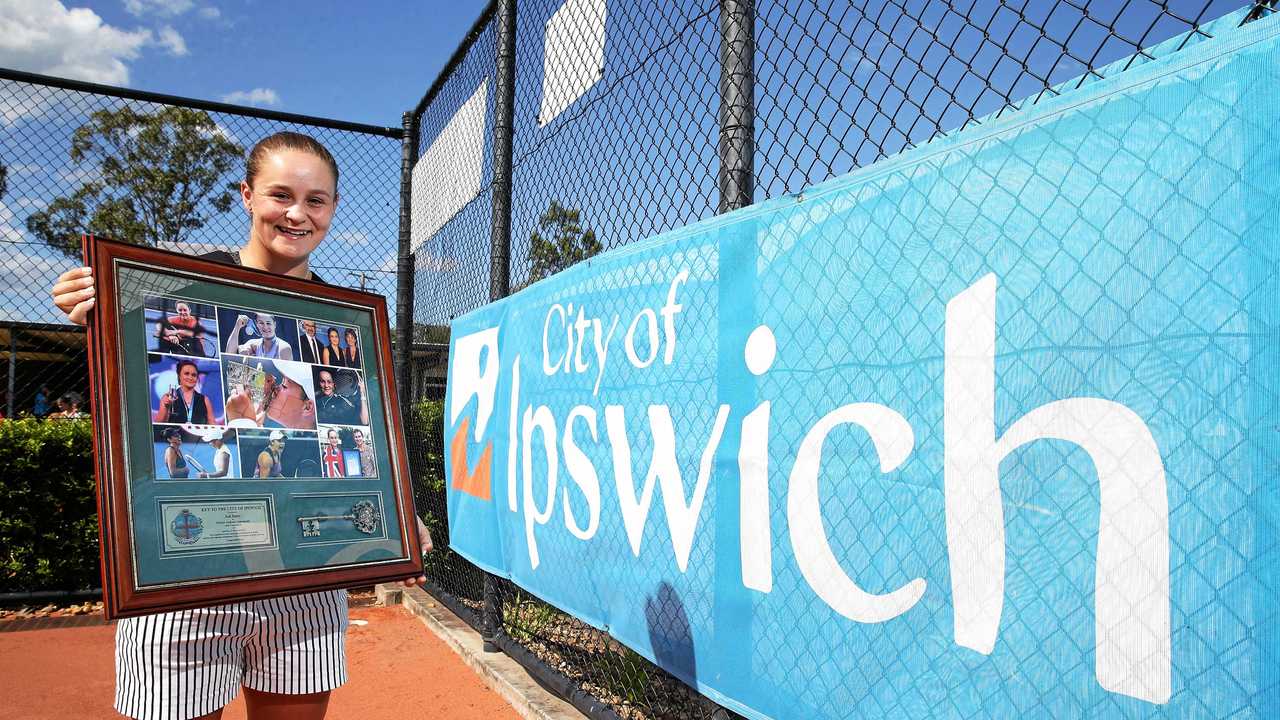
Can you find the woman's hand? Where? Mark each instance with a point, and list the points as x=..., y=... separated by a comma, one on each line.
x=73, y=294
x=424, y=539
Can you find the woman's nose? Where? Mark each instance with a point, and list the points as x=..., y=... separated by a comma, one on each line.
x=296, y=213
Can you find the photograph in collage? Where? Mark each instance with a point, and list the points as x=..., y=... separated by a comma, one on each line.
x=269, y=393
x=279, y=454
x=329, y=344
x=185, y=390
x=341, y=396
x=347, y=452
x=181, y=327
x=195, y=452
x=257, y=334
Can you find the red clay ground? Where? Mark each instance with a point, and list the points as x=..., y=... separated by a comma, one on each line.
x=397, y=668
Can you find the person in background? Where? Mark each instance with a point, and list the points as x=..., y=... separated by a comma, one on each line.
x=41, y=406
x=267, y=346
x=268, y=465
x=174, y=462
x=332, y=353
x=286, y=653
x=221, y=455
x=185, y=404
x=309, y=346
x=368, y=464
x=331, y=458
x=351, y=353
x=69, y=406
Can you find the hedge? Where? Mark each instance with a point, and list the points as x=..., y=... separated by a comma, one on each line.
x=48, y=515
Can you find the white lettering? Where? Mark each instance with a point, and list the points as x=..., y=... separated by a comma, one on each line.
x=541, y=420
x=583, y=474
x=1131, y=581
x=682, y=518
x=893, y=439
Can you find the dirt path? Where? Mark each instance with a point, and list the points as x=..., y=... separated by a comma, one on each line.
x=395, y=664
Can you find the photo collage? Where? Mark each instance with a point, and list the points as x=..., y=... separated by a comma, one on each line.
x=238, y=393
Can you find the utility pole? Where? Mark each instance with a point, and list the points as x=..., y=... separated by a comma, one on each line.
x=363, y=277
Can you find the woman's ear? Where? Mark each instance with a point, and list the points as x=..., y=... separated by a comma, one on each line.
x=246, y=196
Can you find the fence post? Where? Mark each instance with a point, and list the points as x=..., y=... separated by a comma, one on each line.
x=737, y=103
x=404, y=267
x=500, y=239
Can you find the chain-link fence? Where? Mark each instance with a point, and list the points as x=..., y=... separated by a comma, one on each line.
x=76, y=157
x=630, y=119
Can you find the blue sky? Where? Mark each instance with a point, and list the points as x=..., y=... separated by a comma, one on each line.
x=315, y=58
x=364, y=62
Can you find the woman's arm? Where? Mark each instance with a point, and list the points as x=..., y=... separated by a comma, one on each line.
x=162, y=412
x=264, y=464
x=208, y=410
x=171, y=459
x=324, y=355
x=364, y=404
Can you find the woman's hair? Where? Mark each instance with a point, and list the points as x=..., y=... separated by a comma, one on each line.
x=170, y=433
x=71, y=397
x=287, y=141
x=178, y=367
x=350, y=333
x=333, y=331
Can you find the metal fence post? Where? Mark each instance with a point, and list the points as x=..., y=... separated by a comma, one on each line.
x=500, y=240
x=737, y=103
x=404, y=267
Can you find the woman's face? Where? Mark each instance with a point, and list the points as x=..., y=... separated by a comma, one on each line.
x=291, y=203
x=188, y=376
x=326, y=383
x=175, y=440
x=351, y=338
x=333, y=338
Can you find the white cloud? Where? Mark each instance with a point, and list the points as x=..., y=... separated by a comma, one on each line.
x=259, y=97
x=44, y=36
x=210, y=13
x=351, y=237
x=159, y=8
x=170, y=40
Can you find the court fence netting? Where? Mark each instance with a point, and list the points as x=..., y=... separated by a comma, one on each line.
x=558, y=129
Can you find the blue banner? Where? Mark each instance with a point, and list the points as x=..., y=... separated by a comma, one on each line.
x=988, y=429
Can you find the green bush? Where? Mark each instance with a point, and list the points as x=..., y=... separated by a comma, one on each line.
x=48, y=511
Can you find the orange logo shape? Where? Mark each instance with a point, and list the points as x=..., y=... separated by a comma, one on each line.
x=477, y=483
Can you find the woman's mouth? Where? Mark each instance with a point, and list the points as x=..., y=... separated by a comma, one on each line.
x=292, y=232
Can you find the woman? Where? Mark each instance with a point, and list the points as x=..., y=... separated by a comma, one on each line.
x=351, y=355
x=337, y=409
x=185, y=404
x=332, y=353
x=173, y=459
x=287, y=653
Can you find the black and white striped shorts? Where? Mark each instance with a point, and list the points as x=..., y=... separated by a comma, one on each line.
x=180, y=665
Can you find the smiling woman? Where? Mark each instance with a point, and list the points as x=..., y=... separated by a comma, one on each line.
x=290, y=191
x=291, y=646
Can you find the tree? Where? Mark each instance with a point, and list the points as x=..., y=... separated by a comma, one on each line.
x=153, y=178
x=4, y=180
x=559, y=241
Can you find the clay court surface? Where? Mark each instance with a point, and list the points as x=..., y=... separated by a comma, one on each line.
x=397, y=669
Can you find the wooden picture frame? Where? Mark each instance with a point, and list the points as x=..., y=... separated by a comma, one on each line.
x=229, y=468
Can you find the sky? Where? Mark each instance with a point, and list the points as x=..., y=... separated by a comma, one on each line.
x=319, y=57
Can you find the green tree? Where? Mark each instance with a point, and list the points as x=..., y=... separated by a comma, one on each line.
x=559, y=241
x=153, y=178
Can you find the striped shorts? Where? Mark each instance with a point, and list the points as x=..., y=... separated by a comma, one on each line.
x=184, y=664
